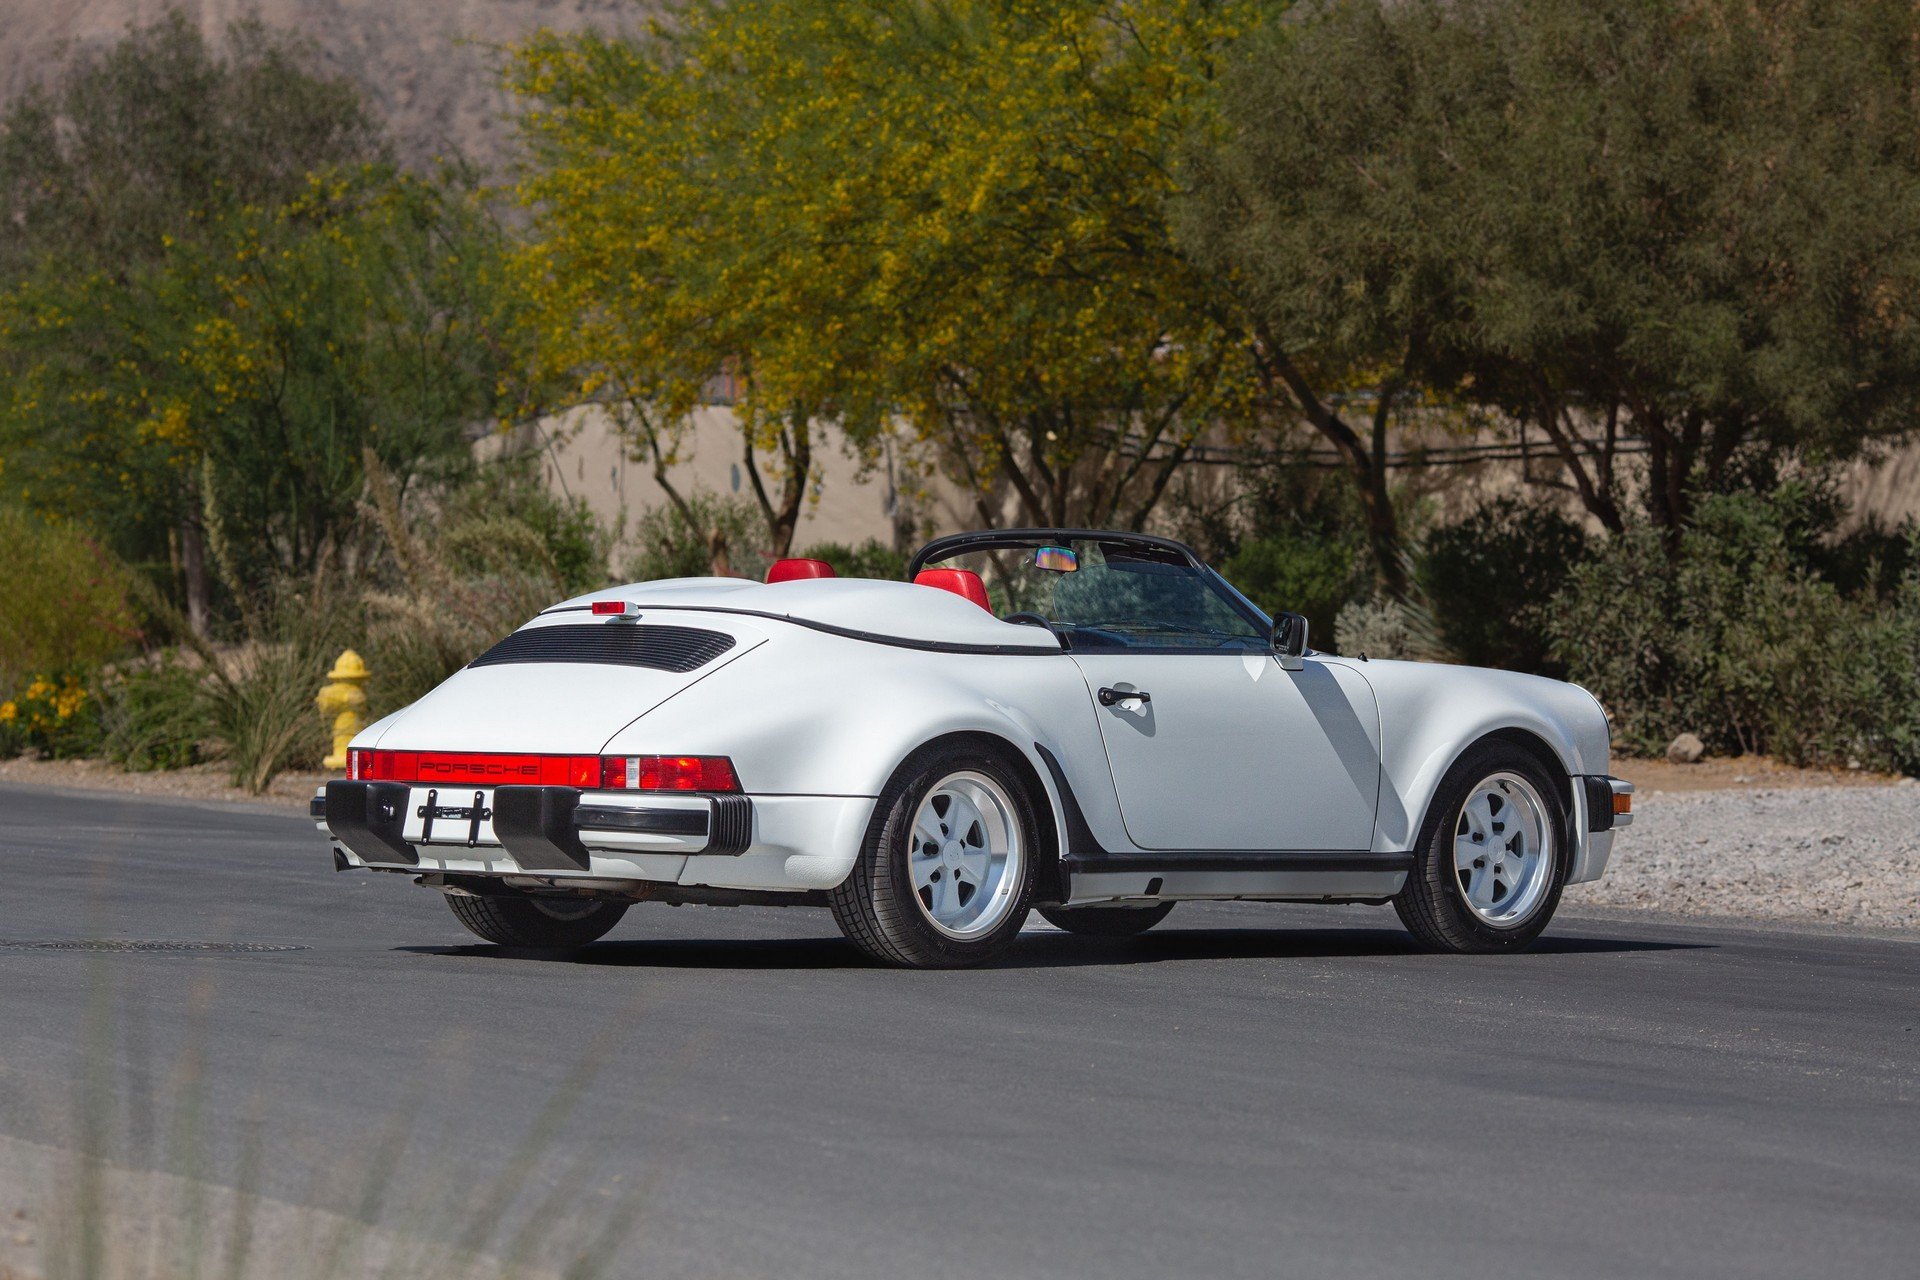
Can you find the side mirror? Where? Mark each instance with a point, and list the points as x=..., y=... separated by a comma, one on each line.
x=1290, y=640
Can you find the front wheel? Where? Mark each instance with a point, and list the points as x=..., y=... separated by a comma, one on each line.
x=945, y=873
x=538, y=924
x=1493, y=855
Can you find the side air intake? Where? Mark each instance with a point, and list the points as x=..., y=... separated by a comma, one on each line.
x=614, y=644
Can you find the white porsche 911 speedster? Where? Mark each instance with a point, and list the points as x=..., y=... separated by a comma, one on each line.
x=1095, y=725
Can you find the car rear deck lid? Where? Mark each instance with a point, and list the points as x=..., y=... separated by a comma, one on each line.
x=663, y=647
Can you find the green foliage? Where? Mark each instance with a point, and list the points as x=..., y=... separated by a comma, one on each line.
x=1691, y=223
x=259, y=698
x=65, y=606
x=1734, y=638
x=225, y=294
x=504, y=518
x=951, y=214
x=677, y=543
x=161, y=135
x=1303, y=572
x=1491, y=579
x=53, y=716
x=155, y=715
x=871, y=559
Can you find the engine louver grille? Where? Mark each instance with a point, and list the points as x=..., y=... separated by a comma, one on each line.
x=615, y=644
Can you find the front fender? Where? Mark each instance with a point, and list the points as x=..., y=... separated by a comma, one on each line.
x=1430, y=714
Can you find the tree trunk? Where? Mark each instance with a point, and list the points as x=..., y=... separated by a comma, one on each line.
x=1367, y=466
x=193, y=565
x=796, y=451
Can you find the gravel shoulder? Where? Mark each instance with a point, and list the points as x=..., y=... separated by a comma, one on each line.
x=1837, y=855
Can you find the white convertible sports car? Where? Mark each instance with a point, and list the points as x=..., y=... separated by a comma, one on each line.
x=1092, y=724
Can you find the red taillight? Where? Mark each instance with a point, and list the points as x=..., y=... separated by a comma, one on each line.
x=613, y=608
x=625, y=773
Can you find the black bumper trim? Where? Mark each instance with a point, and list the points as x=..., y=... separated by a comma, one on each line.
x=536, y=825
x=657, y=822
x=731, y=831
x=1599, y=802
x=370, y=818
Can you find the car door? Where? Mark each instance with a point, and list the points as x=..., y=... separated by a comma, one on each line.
x=1230, y=751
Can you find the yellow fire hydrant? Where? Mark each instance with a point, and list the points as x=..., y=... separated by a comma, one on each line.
x=344, y=702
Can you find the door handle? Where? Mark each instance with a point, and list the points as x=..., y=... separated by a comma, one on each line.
x=1108, y=697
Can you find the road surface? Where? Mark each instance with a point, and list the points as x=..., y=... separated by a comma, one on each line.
x=1249, y=1090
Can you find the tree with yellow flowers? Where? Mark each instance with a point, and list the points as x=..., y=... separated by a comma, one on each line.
x=945, y=218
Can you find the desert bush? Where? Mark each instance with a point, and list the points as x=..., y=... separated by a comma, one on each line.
x=155, y=714
x=871, y=559
x=65, y=608
x=1490, y=579
x=506, y=520
x=1382, y=626
x=259, y=697
x=1302, y=571
x=1734, y=637
x=672, y=545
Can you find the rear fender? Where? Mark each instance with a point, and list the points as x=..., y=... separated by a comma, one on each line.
x=860, y=709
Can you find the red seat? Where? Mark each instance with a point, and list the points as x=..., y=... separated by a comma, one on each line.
x=964, y=583
x=788, y=570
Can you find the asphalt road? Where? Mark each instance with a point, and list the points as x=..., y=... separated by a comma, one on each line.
x=1248, y=1091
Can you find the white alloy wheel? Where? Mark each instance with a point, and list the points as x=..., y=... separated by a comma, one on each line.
x=1503, y=849
x=967, y=860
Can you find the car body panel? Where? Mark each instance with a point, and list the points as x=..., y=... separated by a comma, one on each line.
x=1235, y=752
x=832, y=684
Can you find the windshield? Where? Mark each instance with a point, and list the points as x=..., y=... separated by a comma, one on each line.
x=1112, y=594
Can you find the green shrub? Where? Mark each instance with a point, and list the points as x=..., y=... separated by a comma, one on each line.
x=1489, y=579
x=507, y=520
x=65, y=607
x=673, y=546
x=156, y=715
x=871, y=559
x=1734, y=638
x=1302, y=571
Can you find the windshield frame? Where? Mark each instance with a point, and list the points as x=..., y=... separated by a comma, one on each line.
x=941, y=549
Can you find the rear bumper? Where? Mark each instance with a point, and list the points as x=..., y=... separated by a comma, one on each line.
x=552, y=833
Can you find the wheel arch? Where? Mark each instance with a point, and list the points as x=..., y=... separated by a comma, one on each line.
x=1535, y=747
x=1048, y=881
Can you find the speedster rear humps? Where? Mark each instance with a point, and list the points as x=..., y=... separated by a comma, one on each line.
x=1089, y=724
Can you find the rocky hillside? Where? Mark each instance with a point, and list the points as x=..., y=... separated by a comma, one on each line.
x=428, y=64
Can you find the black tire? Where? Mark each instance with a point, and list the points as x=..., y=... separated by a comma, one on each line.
x=877, y=907
x=1433, y=904
x=537, y=924
x=1106, y=922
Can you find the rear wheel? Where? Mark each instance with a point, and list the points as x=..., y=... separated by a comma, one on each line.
x=1106, y=922
x=541, y=924
x=1492, y=858
x=945, y=873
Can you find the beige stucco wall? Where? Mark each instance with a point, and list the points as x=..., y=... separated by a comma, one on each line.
x=583, y=454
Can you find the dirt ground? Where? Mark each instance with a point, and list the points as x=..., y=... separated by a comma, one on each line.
x=201, y=782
